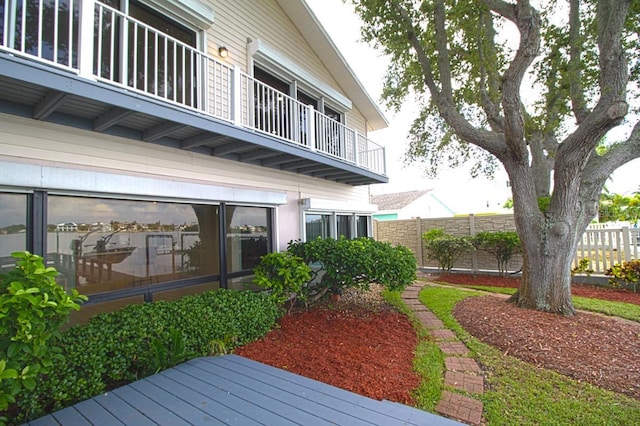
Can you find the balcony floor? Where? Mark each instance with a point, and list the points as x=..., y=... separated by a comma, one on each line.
x=35, y=90
x=231, y=389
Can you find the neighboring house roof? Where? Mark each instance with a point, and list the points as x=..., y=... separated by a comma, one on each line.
x=398, y=200
x=313, y=32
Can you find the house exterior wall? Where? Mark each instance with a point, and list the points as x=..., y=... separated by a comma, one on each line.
x=110, y=160
x=239, y=21
x=51, y=144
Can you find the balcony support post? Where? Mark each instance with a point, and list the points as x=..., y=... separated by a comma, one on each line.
x=236, y=96
x=311, y=127
x=356, y=154
x=85, y=39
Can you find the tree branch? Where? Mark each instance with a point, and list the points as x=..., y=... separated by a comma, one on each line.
x=439, y=18
x=528, y=23
x=576, y=90
x=492, y=142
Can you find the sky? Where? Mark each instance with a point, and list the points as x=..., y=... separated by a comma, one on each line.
x=458, y=190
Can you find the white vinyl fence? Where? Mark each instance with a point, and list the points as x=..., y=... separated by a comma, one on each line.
x=606, y=246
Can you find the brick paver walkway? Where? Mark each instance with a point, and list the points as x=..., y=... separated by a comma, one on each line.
x=462, y=373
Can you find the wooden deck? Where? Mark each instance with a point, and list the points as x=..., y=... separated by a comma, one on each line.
x=232, y=390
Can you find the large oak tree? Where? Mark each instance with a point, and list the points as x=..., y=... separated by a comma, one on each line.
x=535, y=86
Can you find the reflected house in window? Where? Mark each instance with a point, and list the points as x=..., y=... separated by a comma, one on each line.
x=144, y=165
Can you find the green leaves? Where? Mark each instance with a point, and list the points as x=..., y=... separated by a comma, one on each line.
x=32, y=309
x=502, y=245
x=114, y=348
x=445, y=248
x=284, y=275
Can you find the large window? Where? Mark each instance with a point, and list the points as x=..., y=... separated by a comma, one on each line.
x=317, y=225
x=47, y=29
x=336, y=225
x=102, y=245
x=282, y=116
x=159, y=59
x=13, y=227
x=248, y=236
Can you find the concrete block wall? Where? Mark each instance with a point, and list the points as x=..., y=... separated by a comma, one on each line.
x=409, y=233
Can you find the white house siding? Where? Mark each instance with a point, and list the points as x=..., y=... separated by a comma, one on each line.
x=236, y=22
x=36, y=142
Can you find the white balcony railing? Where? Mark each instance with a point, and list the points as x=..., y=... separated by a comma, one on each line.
x=98, y=42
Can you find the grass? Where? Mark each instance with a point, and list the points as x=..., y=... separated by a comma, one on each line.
x=429, y=360
x=617, y=309
x=518, y=393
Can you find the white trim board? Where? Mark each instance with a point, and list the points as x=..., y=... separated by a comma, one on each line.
x=32, y=176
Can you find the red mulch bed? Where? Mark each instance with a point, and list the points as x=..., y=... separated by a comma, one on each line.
x=371, y=352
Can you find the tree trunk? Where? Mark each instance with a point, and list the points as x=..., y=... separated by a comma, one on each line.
x=546, y=279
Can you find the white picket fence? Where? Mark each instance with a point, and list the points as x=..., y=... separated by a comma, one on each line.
x=605, y=246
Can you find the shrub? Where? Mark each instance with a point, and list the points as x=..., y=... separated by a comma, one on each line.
x=502, y=245
x=626, y=274
x=32, y=309
x=115, y=348
x=347, y=263
x=445, y=248
x=284, y=274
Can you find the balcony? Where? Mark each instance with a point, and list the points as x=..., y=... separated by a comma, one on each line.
x=81, y=63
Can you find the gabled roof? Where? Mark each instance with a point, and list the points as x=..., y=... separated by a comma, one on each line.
x=302, y=16
x=398, y=200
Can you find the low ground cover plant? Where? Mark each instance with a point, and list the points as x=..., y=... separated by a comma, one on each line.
x=625, y=274
x=115, y=348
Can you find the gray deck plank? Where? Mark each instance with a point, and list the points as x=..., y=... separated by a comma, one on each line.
x=232, y=390
x=70, y=416
x=156, y=412
x=92, y=410
x=311, y=407
x=204, y=402
x=319, y=402
x=186, y=411
x=258, y=407
x=125, y=412
x=373, y=408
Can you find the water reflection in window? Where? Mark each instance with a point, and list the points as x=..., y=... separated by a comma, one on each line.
x=248, y=236
x=103, y=245
x=13, y=227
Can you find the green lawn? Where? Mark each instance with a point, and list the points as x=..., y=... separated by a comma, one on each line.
x=618, y=309
x=517, y=393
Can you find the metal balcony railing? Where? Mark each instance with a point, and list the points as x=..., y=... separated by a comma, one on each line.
x=97, y=42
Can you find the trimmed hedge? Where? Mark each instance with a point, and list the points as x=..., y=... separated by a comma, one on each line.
x=357, y=263
x=119, y=347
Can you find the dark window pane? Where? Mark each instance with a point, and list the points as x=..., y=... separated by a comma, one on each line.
x=344, y=226
x=102, y=245
x=317, y=225
x=248, y=236
x=363, y=226
x=13, y=229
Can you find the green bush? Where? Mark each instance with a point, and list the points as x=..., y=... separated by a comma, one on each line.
x=625, y=274
x=32, y=309
x=345, y=263
x=118, y=347
x=502, y=245
x=445, y=248
x=284, y=274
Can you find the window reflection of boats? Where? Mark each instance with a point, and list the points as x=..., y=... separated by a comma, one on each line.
x=104, y=250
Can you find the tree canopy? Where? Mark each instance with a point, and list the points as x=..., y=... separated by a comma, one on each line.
x=535, y=86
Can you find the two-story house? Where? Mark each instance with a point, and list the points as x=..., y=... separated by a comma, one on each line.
x=202, y=134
